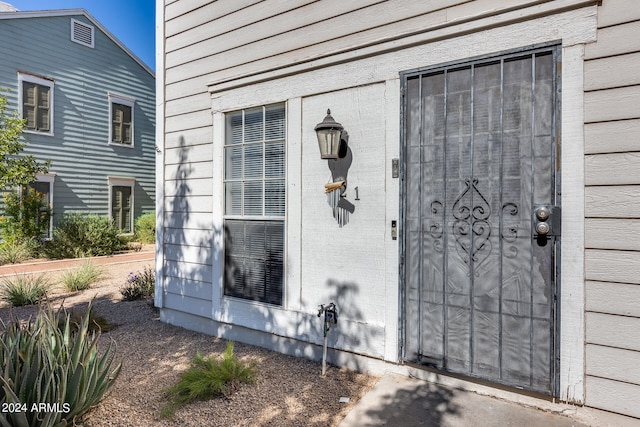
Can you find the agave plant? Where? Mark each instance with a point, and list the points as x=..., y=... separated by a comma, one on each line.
x=51, y=375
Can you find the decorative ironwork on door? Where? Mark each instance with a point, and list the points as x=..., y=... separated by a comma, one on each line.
x=480, y=155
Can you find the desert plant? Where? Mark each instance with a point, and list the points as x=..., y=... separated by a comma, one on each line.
x=76, y=316
x=81, y=277
x=139, y=285
x=52, y=374
x=145, y=227
x=81, y=235
x=24, y=289
x=208, y=377
x=14, y=252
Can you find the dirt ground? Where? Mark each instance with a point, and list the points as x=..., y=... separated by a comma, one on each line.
x=288, y=391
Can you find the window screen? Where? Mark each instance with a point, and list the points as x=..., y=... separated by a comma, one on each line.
x=254, y=185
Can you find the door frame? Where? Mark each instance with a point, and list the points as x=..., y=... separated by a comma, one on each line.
x=557, y=52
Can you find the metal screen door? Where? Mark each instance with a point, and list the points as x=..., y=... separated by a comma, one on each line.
x=480, y=158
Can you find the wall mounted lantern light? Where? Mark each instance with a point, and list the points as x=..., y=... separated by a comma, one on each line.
x=332, y=138
x=333, y=141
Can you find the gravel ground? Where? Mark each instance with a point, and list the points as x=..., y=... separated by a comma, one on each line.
x=288, y=391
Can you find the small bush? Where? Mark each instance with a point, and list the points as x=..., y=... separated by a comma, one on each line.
x=45, y=362
x=24, y=289
x=145, y=227
x=27, y=215
x=12, y=252
x=209, y=377
x=81, y=277
x=96, y=322
x=139, y=285
x=80, y=235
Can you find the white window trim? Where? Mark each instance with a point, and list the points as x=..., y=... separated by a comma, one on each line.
x=24, y=77
x=122, y=182
x=50, y=178
x=130, y=102
x=84, y=24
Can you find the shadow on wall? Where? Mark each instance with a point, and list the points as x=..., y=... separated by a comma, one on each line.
x=193, y=252
x=189, y=239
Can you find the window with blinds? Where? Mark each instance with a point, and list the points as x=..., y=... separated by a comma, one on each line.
x=121, y=112
x=36, y=106
x=254, y=186
x=121, y=124
x=121, y=208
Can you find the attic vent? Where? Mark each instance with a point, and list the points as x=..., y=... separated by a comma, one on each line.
x=81, y=33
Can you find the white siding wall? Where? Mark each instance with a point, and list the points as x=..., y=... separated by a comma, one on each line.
x=186, y=236
x=225, y=55
x=612, y=226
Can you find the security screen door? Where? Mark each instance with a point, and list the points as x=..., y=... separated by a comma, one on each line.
x=480, y=155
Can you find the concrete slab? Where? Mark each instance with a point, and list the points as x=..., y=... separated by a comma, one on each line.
x=401, y=401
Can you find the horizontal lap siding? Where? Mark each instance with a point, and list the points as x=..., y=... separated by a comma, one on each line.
x=221, y=41
x=188, y=170
x=612, y=226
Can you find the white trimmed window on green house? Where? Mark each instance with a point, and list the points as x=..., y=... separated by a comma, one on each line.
x=121, y=203
x=254, y=221
x=36, y=103
x=121, y=120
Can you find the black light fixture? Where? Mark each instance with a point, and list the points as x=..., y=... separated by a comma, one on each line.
x=332, y=138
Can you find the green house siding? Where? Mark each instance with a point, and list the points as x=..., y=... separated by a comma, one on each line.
x=84, y=81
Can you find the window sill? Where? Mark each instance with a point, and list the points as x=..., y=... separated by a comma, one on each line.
x=118, y=144
x=35, y=132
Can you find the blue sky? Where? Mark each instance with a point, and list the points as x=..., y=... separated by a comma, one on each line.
x=131, y=21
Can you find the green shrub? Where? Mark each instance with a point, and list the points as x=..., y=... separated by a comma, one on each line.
x=81, y=277
x=26, y=215
x=145, y=227
x=12, y=252
x=24, y=289
x=139, y=285
x=51, y=366
x=81, y=235
x=209, y=377
x=96, y=322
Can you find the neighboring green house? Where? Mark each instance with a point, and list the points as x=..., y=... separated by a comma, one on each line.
x=89, y=103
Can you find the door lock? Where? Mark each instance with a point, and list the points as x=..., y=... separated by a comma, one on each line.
x=542, y=228
x=546, y=221
x=542, y=213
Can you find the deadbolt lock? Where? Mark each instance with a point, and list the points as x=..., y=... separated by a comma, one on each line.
x=542, y=214
x=546, y=221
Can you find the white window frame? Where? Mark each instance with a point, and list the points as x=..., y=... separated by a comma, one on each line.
x=122, y=182
x=30, y=78
x=75, y=22
x=122, y=100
